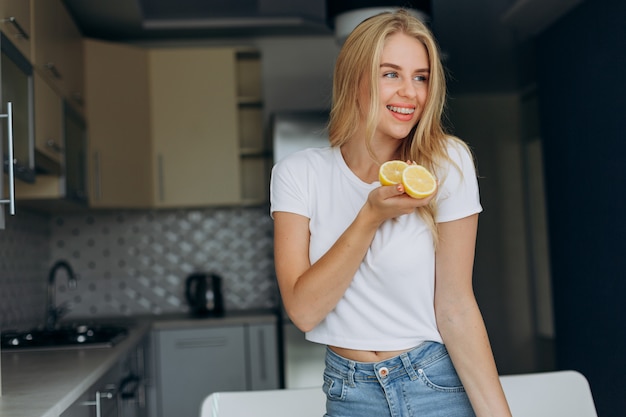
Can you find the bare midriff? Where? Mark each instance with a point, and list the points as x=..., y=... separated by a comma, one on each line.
x=366, y=355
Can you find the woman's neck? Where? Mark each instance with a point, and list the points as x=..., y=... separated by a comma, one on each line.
x=363, y=164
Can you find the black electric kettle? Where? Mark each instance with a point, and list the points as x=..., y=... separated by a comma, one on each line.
x=204, y=294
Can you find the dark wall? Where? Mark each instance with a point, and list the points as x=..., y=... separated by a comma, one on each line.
x=581, y=77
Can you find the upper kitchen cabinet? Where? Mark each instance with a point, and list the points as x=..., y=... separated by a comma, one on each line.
x=15, y=24
x=57, y=51
x=16, y=123
x=49, y=145
x=118, y=116
x=254, y=154
x=183, y=125
x=48, y=124
x=194, y=127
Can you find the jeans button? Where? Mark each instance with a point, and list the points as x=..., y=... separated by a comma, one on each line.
x=383, y=372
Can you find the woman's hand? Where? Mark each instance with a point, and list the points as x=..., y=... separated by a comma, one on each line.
x=390, y=201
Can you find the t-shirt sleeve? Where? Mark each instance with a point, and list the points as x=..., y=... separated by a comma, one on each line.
x=458, y=195
x=287, y=187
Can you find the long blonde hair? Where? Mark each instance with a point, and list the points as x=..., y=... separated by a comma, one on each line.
x=360, y=57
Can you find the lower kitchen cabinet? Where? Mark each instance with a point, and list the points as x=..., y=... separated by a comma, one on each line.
x=100, y=400
x=192, y=363
x=121, y=392
x=262, y=357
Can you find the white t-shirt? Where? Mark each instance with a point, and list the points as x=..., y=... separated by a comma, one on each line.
x=390, y=303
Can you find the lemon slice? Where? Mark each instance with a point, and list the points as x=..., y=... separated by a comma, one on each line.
x=390, y=172
x=418, y=182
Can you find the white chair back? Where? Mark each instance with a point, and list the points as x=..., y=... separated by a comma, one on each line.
x=297, y=402
x=546, y=394
x=549, y=394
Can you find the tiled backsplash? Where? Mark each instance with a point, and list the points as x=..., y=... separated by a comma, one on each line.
x=136, y=262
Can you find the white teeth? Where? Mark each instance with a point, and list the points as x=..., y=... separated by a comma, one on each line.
x=402, y=110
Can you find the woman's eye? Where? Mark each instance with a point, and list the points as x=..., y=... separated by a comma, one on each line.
x=390, y=75
x=420, y=78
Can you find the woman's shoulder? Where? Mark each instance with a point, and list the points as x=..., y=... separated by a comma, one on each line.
x=458, y=156
x=458, y=151
x=455, y=145
x=308, y=156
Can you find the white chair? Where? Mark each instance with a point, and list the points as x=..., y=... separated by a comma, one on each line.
x=549, y=394
x=297, y=402
x=546, y=394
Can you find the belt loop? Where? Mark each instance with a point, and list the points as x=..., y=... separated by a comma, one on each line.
x=408, y=366
x=351, y=372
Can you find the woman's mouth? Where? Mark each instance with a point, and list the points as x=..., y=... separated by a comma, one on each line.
x=402, y=110
x=404, y=113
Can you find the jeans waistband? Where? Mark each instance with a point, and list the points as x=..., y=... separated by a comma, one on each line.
x=405, y=364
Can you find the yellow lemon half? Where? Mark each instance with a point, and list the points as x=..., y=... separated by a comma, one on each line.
x=418, y=182
x=390, y=172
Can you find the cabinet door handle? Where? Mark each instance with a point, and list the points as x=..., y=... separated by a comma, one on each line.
x=263, y=366
x=10, y=159
x=161, y=183
x=109, y=393
x=201, y=343
x=21, y=33
x=97, y=177
x=53, y=70
x=51, y=144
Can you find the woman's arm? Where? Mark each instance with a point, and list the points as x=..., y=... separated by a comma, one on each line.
x=460, y=321
x=310, y=292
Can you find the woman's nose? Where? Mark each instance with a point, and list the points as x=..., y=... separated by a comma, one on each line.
x=407, y=89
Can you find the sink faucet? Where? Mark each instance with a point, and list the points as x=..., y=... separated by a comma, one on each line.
x=54, y=313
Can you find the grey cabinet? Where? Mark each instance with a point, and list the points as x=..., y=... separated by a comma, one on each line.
x=194, y=362
x=118, y=393
x=262, y=357
x=100, y=399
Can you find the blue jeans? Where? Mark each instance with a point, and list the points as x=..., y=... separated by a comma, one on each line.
x=421, y=382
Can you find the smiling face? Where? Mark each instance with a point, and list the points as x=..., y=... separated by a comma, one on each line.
x=402, y=82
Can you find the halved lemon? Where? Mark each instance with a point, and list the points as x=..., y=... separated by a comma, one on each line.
x=390, y=172
x=418, y=182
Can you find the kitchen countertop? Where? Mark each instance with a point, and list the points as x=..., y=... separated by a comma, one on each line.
x=46, y=383
x=235, y=318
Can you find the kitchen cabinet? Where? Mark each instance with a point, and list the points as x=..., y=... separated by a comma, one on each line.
x=262, y=357
x=57, y=52
x=48, y=124
x=183, y=126
x=194, y=127
x=100, y=399
x=118, y=116
x=120, y=392
x=16, y=123
x=60, y=151
x=255, y=156
x=75, y=172
x=15, y=24
x=194, y=362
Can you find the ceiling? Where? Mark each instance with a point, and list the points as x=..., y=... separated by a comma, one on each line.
x=485, y=42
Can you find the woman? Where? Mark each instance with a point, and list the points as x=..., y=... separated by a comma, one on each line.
x=383, y=279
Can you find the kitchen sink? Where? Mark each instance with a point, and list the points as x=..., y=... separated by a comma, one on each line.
x=64, y=337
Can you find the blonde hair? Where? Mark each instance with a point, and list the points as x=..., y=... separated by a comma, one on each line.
x=359, y=58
